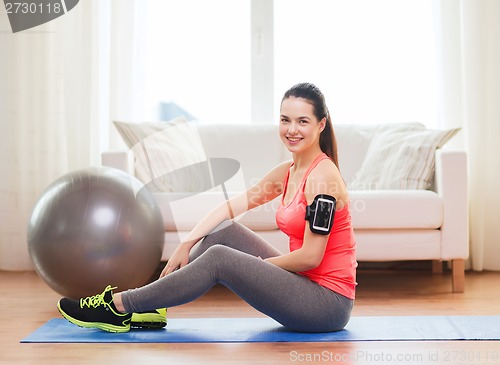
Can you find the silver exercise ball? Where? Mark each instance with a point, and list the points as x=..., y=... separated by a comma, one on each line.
x=95, y=227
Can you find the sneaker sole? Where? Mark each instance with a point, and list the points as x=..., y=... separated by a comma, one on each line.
x=148, y=325
x=103, y=326
x=151, y=320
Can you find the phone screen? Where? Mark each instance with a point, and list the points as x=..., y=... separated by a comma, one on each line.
x=323, y=214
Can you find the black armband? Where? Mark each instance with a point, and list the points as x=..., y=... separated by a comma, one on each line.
x=320, y=214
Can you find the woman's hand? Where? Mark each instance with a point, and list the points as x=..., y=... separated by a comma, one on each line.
x=179, y=258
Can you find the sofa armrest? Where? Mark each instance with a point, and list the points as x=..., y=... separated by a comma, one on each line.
x=122, y=160
x=451, y=184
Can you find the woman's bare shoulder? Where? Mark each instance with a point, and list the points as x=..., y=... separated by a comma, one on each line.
x=325, y=178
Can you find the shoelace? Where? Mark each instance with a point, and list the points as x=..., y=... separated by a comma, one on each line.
x=95, y=300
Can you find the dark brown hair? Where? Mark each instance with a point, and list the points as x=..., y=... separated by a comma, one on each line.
x=312, y=94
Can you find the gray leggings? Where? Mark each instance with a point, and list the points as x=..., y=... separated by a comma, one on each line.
x=229, y=256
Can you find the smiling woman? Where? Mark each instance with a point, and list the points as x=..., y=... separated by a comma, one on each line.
x=311, y=288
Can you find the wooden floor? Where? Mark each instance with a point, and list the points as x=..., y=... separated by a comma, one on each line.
x=26, y=303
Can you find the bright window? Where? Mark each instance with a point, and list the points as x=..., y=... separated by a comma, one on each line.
x=374, y=60
x=199, y=58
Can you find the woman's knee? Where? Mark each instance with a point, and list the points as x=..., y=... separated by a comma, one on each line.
x=221, y=259
x=226, y=226
x=220, y=233
x=218, y=251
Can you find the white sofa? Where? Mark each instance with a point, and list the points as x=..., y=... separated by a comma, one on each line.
x=390, y=224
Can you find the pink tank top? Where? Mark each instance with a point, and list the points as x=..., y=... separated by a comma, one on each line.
x=337, y=270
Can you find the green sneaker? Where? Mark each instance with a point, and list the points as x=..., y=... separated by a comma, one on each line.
x=97, y=311
x=150, y=319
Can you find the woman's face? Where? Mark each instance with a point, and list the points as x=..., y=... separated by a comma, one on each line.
x=299, y=127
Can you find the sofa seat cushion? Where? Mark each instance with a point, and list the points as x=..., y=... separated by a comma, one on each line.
x=182, y=211
x=396, y=209
x=374, y=209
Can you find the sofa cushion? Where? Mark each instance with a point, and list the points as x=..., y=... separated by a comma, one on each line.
x=401, y=159
x=353, y=141
x=388, y=209
x=160, y=148
x=396, y=209
x=182, y=211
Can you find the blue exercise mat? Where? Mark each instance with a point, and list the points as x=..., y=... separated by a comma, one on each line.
x=190, y=330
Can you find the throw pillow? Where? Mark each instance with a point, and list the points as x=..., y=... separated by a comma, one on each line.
x=161, y=149
x=401, y=159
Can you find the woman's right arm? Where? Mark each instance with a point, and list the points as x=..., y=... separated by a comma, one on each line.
x=268, y=188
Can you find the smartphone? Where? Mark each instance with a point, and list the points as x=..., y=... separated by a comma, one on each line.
x=323, y=215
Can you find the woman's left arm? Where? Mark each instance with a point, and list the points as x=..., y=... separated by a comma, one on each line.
x=307, y=257
x=323, y=180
